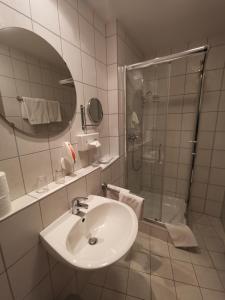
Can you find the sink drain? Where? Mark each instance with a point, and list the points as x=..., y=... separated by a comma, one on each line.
x=92, y=241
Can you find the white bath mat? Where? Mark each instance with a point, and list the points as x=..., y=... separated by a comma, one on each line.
x=181, y=235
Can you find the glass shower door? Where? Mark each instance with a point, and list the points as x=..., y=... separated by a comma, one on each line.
x=147, y=110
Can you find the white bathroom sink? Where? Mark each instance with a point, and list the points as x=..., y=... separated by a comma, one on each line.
x=112, y=227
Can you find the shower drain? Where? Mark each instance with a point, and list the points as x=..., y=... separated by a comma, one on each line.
x=92, y=241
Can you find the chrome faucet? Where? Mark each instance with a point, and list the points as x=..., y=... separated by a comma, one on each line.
x=77, y=204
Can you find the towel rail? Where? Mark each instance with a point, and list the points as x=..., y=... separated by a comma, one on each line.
x=19, y=98
x=105, y=188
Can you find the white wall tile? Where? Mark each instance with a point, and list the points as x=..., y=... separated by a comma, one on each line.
x=48, y=17
x=101, y=73
x=103, y=97
x=213, y=80
x=106, y=176
x=6, y=66
x=111, y=28
x=217, y=176
x=52, y=38
x=99, y=24
x=86, y=11
x=33, y=266
x=9, y=149
x=89, y=92
x=113, y=125
x=23, y=7
x=20, y=69
x=34, y=165
x=111, y=50
x=114, y=146
x=2, y=267
x=14, y=177
x=216, y=58
x=42, y=291
x=89, y=69
x=58, y=140
x=113, y=102
x=87, y=38
x=112, y=77
x=53, y=206
x=103, y=128
x=73, y=3
x=27, y=145
x=215, y=193
x=8, y=87
x=4, y=288
x=58, y=281
x=213, y=208
x=11, y=18
x=77, y=189
x=28, y=225
x=72, y=56
x=93, y=183
x=100, y=47
x=69, y=24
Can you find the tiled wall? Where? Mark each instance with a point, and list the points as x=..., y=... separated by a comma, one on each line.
x=121, y=51
x=77, y=33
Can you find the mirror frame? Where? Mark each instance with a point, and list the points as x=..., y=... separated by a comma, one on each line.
x=11, y=124
x=89, y=110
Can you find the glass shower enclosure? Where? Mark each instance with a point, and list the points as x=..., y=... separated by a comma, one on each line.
x=163, y=98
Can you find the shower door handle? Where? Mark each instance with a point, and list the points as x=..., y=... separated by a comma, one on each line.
x=160, y=154
x=193, y=142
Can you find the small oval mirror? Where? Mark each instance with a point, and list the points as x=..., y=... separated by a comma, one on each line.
x=95, y=110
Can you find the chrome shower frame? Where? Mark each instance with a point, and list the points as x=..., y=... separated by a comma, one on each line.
x=168, y=59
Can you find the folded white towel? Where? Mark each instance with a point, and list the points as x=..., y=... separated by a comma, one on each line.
x=54, y=111
x=134, y=201
x=35, y=110
x=181, y=235
x=114, y=191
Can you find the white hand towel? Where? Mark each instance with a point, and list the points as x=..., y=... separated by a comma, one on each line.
x=54, y=111
x=114, y=191
x=134, y=201
x=181, y=235
x=35, y=110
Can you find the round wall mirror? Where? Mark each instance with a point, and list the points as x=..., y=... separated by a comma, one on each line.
x=37, y=92
x=95, y=110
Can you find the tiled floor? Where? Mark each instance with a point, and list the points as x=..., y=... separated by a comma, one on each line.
x=156, y=270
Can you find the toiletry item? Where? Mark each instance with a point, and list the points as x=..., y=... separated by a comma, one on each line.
x=94, y=144
x=5, y=203
x=134, y=121
x=105, y=159
x=59, y=176
x=42, y=184
x=69, y=158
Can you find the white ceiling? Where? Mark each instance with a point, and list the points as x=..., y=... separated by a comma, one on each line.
x=158, y=24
